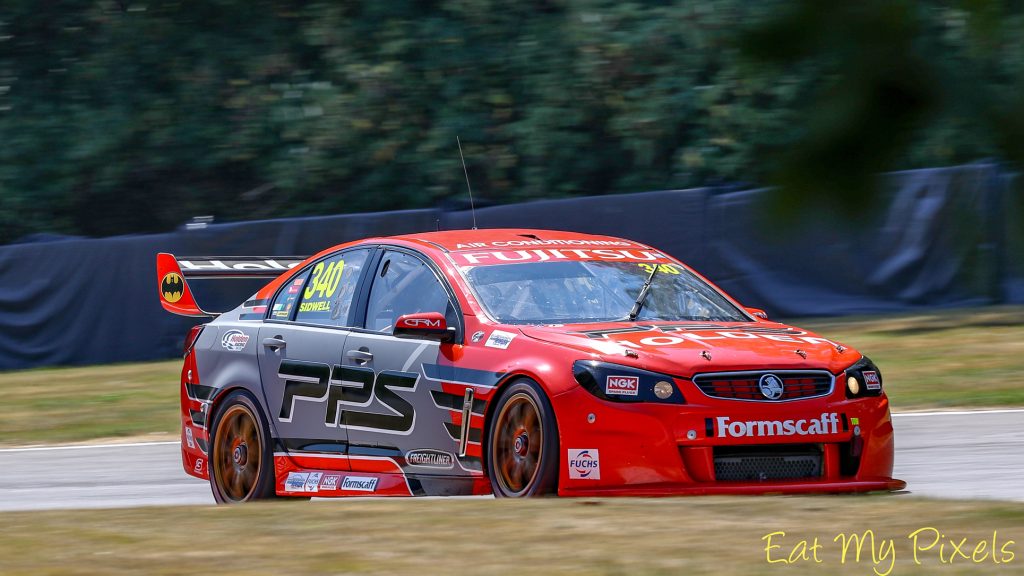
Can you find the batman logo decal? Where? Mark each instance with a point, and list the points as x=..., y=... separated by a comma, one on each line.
x=171, y=287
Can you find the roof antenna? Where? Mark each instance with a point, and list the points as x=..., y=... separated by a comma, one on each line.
x=470, y=188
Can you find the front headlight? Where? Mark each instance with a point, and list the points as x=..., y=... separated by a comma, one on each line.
x=617, y=383
x=863, y=379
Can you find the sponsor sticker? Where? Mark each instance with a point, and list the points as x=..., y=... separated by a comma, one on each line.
x=199, y=466
x=172, y=287
x=296, y=482
x=294, y=289
x=584, y=464
x=871, y=380
x=278, y=306
x=622, y=386
x=313, y=482
x=330, y=482
x=827, y=423
x=359, y=483
x=429, y=459
x=189, y=439
x=500, y=339
x=234, y=340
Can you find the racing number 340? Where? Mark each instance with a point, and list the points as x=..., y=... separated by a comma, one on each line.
x=348, y=386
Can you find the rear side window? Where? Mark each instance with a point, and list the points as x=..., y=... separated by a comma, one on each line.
x=404, y=284
x=329, y=289
x=287, y=297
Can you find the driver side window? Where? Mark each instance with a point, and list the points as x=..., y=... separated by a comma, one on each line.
x=404, y=284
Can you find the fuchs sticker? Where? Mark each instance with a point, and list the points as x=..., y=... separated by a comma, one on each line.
x=622, y=386
x=584, y=464
x=189, y=439
x=234, y=340
x=725, y=427
x=330, y=482
x=871, y=380
x=359, y=483
x=429, y=459
x=313, y=482
x=296, y=482
x=500, y=339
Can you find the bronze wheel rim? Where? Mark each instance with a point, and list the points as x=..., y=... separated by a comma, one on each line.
x=237, y=454
x=518, y=444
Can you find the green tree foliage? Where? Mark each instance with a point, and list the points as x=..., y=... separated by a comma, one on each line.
x=135, y=116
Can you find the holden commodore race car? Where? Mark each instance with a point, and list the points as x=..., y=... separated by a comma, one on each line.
x=512, y=362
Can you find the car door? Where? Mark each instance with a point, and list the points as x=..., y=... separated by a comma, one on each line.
x=301, y=345
x=405, y=416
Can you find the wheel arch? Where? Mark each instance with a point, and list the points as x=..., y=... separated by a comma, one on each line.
x=499, y=388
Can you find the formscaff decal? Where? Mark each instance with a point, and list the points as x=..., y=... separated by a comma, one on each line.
x=490, y=257
x=827, y=423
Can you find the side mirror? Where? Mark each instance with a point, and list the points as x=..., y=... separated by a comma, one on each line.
x=430, y=325
x=757, y=313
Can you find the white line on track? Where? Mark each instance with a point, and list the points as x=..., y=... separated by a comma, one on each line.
x=960, y=412
x=88, y=446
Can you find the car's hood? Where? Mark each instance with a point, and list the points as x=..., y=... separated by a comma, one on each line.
x=684, y=349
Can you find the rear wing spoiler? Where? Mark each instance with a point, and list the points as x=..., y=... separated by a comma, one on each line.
x=172, y=272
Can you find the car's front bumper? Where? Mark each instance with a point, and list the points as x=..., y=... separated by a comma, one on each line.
x=653, y=450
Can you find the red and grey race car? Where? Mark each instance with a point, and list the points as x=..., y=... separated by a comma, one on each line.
x=513, y=362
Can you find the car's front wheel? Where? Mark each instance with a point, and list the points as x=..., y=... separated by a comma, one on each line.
x=522, y=443
x=241, y=462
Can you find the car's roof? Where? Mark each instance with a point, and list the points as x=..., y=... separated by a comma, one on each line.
x=453, y=240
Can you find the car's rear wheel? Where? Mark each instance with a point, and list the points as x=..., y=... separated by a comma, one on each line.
x=241, y=462
x=522, y=443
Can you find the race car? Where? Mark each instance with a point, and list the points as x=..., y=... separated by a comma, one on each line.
x=515, y=363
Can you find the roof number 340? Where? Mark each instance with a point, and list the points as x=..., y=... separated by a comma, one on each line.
x=325, y=280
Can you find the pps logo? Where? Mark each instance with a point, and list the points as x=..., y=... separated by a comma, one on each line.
x=172, y=287
x=771, y=386
x=584, y=464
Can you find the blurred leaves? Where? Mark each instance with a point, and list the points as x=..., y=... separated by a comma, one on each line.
x=135, y=116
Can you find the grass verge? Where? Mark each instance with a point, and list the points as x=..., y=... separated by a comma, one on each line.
x=954, y=358
x=941, y=359
x=482, y=536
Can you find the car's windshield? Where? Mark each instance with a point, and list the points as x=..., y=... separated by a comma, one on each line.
x=582, y=291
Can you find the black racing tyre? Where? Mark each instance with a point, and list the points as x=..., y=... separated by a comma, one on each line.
x=241, y=456
x=522, y=443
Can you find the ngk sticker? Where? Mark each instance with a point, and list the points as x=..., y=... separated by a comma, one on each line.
x=584, y=464
x=725, y=427
x=871, y=380
x=622, y=386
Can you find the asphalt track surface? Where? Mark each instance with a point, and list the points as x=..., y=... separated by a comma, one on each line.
x=969, y=454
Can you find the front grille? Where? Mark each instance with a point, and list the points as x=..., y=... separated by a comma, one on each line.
x=773, y=462
x=746, y=385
